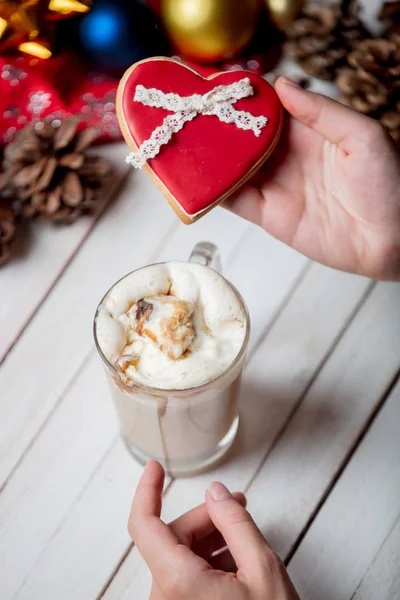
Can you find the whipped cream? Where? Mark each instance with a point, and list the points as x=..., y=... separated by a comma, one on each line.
x=171, y=326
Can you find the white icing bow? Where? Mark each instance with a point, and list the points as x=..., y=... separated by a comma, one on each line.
x=217, y=102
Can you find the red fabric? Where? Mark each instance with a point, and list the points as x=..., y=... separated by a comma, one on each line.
x=32, y=90
x=207, y=158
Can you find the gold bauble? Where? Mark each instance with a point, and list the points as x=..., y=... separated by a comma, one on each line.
x=210, y=30
x=283, y=12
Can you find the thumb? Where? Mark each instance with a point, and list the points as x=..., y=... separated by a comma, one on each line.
x=250, y=551
x=335, y=122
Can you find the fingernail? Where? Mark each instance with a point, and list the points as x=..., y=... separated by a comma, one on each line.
x=287, y=81
x=219, y=492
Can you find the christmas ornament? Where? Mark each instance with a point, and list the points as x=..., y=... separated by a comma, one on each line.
x=371, y=82
x=118, y=32
x=210, y=30
x=7, y=230
x=51, y=175
x=34, y=92
x=198, y=138
x=320, y=39
x=25, y=25
x=60, y=9
x=283, y=12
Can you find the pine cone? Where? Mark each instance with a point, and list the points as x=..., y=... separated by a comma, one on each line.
x=390, y=14
x=50, y=173
x=362, y=91
x=390, y=11
x=7, y=231
x=391, y=120
x=320, y=38
x=371, y=82
x=379, y=57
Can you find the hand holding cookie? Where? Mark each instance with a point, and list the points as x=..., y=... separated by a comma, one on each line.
x=331, y=188
x=198, y=138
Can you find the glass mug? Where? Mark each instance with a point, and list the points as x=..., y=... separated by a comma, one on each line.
x=186, y=430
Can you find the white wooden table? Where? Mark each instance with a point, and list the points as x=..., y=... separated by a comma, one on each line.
x=319, y=444
x=318, y=452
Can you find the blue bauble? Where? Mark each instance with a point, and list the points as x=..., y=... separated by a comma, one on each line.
x=117, y=33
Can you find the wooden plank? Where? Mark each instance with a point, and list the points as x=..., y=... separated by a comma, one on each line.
x=314, y=446
x=275, y=380
x=356, y=520
x=50, y=478
x=33, y=476
x=219, y=227
x=34, y=463
x=97, y=524
x=66, y=520
x=59, y=338
x=42, y=252
x=266, y=272
x=382, y=579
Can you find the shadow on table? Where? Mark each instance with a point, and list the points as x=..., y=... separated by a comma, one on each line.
x=264, y=415
x=267, y=419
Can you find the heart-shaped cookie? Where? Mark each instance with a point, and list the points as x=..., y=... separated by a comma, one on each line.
x=207, y=159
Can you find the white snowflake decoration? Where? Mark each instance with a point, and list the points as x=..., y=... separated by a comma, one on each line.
x=12, y=74
x=38, y=102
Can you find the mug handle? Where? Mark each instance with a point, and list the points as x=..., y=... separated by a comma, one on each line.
x=207, y=254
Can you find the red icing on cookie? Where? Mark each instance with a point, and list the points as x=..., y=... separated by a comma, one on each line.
x=205, y=161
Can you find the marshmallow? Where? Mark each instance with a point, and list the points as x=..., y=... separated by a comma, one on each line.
x=171, y=326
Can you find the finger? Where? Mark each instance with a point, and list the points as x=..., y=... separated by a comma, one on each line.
x=247, y=202
x=333, y=121
x=206, y=546
x=158, y=545
x=273, y=210
x=244, y=540
x=223, y=561
x=147, y=499
x=156, y=593
x=213, y=542
x=196, y=525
